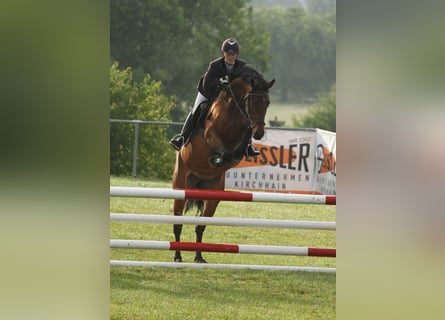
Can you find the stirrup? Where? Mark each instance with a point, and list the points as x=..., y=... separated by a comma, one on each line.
x=251, y=151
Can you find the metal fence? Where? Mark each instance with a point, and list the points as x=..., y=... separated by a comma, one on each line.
x=136, y=124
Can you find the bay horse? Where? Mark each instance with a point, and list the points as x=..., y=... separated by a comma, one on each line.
x=220, y=143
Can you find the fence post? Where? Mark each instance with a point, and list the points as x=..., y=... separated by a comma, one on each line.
x=136, y=135
x=135, y=147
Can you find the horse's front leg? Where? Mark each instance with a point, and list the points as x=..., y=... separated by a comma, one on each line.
x=208, y=211
x=177, y=228
x=218, y=154
x=199, y=232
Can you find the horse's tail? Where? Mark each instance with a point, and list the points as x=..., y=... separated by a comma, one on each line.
x=199, y=204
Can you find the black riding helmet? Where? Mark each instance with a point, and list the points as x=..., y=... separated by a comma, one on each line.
x=230, y=46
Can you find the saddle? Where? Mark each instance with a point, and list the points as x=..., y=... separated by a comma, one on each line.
x=196, y=123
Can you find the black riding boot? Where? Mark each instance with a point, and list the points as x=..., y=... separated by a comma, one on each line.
x=180, y=139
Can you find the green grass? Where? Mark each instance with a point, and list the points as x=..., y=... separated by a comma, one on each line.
x=162, y=293
x=285, y=111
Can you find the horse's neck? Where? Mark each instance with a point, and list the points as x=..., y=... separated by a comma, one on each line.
x=227, y=125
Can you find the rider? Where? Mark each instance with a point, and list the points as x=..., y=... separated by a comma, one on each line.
x=208, y=89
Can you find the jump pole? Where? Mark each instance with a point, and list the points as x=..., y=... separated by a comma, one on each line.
x=194, y=194
x=238, y=222
x=176, y=265
x=227, y=248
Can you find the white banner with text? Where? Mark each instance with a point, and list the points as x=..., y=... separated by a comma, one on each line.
x=290, y=161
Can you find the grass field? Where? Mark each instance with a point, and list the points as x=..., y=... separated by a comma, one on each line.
x=162, y=293
x=284, y=111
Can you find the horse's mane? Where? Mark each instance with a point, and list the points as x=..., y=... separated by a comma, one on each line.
x=249, y=73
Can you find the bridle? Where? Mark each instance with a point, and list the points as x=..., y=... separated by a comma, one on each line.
x=247, y=98
x=245, y=112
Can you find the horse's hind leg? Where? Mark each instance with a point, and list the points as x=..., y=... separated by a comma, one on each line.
x=178, y=182
x=178, y=207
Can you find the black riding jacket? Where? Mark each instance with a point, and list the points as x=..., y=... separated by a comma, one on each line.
x=209, y=84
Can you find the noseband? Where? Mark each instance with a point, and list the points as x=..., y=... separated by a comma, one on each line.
x=246, y=111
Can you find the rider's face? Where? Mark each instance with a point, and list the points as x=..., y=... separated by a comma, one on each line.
x=230, y=58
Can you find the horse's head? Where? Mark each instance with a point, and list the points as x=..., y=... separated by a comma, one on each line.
x=253, y=91
x=256, y=102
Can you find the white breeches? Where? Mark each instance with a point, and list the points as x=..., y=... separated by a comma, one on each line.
x=198, y=100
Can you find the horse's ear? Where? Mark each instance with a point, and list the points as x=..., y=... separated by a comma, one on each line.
x=270, y=84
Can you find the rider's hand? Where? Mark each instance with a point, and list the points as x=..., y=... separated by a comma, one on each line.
x=224, y=81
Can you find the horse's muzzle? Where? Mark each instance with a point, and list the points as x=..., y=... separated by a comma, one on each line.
x=258, y=133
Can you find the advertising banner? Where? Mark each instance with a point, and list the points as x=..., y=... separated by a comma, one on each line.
x=290, y=161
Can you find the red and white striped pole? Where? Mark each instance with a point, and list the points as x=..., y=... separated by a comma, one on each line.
x=194, y=194
x=227, y=248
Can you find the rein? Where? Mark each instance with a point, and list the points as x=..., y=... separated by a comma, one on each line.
x=246, y=113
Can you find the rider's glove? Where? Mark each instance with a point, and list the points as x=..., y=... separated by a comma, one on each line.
x=224, y=81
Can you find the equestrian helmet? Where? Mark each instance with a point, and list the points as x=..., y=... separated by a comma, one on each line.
x=230, y=46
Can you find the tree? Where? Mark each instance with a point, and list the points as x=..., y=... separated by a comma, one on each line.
x=174, y=40
x=142, y=100
x=303, y=51
x=322, y=115
x=283, y=45
x=321, y=6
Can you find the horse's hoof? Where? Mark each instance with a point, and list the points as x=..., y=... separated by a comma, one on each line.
x=200, y=260
x=178, y=259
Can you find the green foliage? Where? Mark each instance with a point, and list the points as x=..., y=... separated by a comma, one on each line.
x=311, y=6
x=322, y=115
x=139, y=101
x=321, y=6
x=175, y=40
x=303, y=50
